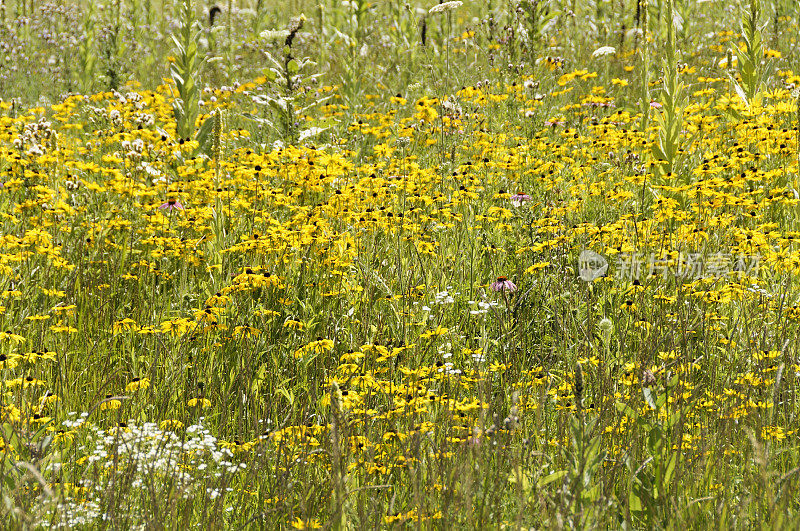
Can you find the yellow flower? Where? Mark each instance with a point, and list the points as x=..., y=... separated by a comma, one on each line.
x=536, y=267
x=312, y=523
x=439, y=331
x=11, y=337
x=171, y=424
x=110, y=405
x=175, y=327
x=315, y=347
x=137, y=384
x=124, y=324
x=426, y=114
x=201, y=402
x=293, y=324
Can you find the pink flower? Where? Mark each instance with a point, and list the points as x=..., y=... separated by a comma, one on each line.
x=171, y=205
x=655, y=105
x=519, y=198
x=554, y=123
x=503, y=284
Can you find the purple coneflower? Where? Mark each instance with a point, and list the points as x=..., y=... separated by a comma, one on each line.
x=519, y=198
x=171, y=205
x=504, y=285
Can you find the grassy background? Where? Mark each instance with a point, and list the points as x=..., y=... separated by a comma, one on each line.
x=252, y=282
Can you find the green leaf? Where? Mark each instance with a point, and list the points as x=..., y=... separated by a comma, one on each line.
x=177, y=78
x=626, y=410
x=593, y=494
x=655, y=440
x=740, y=91
x=674, y=381
x=279, y=104
x=661, y=400
x=177, y=109
x=658, y=152
x=525, y=483
x=634, y=502
x=188, y=88
x=670, y=470
x=555, y=476
x=289, y=395
x=178, y=44
x=204, y=131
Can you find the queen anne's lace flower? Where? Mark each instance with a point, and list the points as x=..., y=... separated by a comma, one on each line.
x=447, y=6
x=604, y=50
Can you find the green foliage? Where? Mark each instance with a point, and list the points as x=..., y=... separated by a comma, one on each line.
x=113, y=47
x=644, y=64
x=286, y=76
x=540, y=16
x=304, y=272
x=585, y=460
x=670, y=120
x=750, y=57
x=184, y=71
x=86, y=54
x=352, y=37
x=652, y=480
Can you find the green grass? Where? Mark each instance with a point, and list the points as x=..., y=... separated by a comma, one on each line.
x=318, y=265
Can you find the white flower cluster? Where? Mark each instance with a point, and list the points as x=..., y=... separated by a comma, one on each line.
x=483, y=306
x=77, y=423
x=446, y=6
x=449, y=369
x=444, y=297
x=73, y=514
x=603, y=51
x=479, y=357
x=138, y=456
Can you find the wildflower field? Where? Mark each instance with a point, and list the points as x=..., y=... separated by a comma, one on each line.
x=389, y=265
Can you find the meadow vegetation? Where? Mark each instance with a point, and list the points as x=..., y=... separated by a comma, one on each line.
x=349, y=264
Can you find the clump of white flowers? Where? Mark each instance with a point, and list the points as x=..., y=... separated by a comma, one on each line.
x=603, y=51
x=482, y=307
x=446, y=6
x=140, y=459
